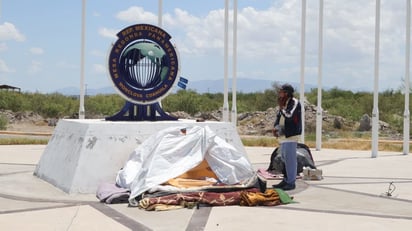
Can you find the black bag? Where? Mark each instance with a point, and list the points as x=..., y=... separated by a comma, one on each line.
x=303, y=155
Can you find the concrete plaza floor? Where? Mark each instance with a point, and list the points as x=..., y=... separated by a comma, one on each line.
x=357, y=193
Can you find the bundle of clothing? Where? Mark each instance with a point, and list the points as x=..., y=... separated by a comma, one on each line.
x=247, y=197
x=110, y=194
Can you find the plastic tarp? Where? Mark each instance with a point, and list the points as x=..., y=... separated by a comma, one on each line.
x=303, y=155
x=173, y=151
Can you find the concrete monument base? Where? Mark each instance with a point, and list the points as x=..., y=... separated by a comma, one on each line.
x=82, y=154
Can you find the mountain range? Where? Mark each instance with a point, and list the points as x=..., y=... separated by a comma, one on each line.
x=243, y=85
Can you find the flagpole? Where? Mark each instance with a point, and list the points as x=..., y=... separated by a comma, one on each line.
x=160, y=12
x=234, y=107
x=406, y=115
x=319, y=106
x=302, y=68
x=375, y=111
x=81, y=108
x=225, y=114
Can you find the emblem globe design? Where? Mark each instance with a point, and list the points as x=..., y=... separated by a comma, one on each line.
x=143, y=65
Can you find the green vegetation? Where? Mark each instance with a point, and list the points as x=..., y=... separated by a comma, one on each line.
x=56, y=105
x=350, y=105
x=3, y=122
x=47, y=105
x=191, y=102
x=347, y=104
x=22, y=141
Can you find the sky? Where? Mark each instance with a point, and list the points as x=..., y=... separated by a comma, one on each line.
x=40, y=41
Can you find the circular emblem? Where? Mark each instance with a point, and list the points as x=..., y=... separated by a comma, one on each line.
x=143, y=64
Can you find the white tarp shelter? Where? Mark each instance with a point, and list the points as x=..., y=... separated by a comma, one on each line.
x=174, y=151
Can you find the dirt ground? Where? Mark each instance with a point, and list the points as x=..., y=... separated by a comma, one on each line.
x=30, y=127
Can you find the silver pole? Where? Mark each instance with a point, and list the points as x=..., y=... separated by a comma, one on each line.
x=406, y=114
x=234, y=107
x=225, y=84
x=319, y=110
x=159, y=24
x=375, y=112
x=302, y=68
x=160, y=13
x=81, y=108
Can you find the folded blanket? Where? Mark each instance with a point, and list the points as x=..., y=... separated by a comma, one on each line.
x=269, y=198
x=186, y=199
x=110, y=193
x=248, y=197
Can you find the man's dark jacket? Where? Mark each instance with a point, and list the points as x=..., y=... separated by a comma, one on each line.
x=293, y=118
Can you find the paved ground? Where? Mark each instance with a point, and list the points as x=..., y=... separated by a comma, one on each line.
x=354, y=195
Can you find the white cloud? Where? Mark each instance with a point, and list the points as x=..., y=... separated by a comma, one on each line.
x=4, y=68
x=260, y=33
x=9, y=32
x=181, y=18
x=269, y=39
x=137, y=14
x=108, y=33
x=36, y=51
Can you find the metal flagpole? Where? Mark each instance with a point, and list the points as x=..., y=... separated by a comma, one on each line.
x=81, y=108
x=406, y=114
x=225, y=84
x=302, y=68
x=319, y=110
x=159, y=15
x=234, y=107
x=375, y=111
x=160, y=22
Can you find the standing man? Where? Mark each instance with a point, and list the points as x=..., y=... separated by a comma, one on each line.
x=288, y=127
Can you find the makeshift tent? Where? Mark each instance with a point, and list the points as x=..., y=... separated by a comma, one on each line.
x=195, y=153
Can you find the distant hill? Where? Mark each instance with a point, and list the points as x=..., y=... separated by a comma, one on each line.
x=88, y=91
x=242, y=85
x=200, y=86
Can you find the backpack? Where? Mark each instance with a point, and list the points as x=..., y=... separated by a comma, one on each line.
x=303, y=155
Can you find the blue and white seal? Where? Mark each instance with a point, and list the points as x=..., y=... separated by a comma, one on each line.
x=143, y=64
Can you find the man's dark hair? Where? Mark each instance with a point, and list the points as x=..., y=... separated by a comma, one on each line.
x=288, y=89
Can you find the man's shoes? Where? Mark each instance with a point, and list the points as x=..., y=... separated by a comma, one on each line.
x=280, y=185
x=288, y=187
x=284, y=186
